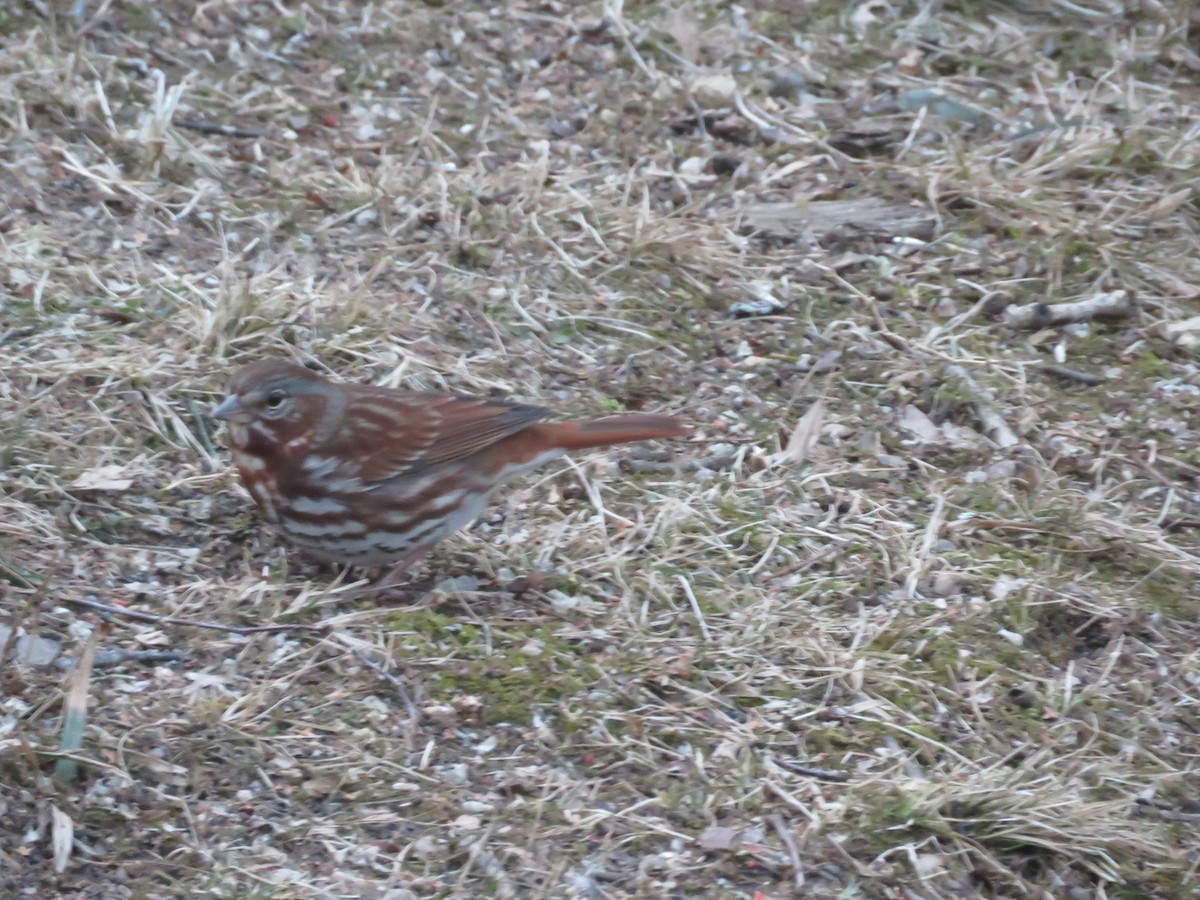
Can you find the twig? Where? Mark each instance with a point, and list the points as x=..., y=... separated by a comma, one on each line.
x=805, y=564
x=19, y=332
x=1072, y=374
x=966, y=526
x=812, y=771
x=1110, y=305
x=774, y=130
x=190, y=623
x=413, y=712
x=862, y=869
x=724, y=457
x=1151, y=808
x=699, y=113
x=200, y=417
x=687, y=590
x=226, y=130
x=786, y=836
x=993, y=423
x=789, y=800
x=613, y=13
x=647, y=466
x=18, y=620
x=116, y=657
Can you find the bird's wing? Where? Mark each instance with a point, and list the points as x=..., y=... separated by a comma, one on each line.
x=400, y=433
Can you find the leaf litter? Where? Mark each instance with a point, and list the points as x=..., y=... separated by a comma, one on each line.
x=947, y=648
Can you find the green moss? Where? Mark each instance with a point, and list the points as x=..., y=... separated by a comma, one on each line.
x=432, y=629
x=1149, y=366
x=829, y=741
x=685, y=801
x=509, y=682
x=511, y=686
x=476, y=256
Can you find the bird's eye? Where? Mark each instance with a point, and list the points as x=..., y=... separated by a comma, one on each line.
x=275, y=399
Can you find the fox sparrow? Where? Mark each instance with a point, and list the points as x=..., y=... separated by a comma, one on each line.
x=374, y=476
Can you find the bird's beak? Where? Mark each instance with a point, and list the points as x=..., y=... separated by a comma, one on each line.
x=228, y=408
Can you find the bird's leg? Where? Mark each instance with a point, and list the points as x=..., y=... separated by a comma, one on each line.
x=386, y=585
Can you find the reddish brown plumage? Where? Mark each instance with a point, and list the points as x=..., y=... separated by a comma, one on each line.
x=372, y=475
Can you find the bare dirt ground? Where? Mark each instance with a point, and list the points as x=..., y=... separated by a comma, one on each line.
x=913, y=614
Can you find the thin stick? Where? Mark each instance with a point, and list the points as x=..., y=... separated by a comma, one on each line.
x=190, y=623
x=613, y=12
x=786, y=836
x=1072, y=374
x=811, y=771
x=15, y=632
x=1109, y=305
x=687, y=590
x=116, y=657
x=790, y=800
x=413, y=712
x=200, y=418
x=227, y=130
x=805, y=564
x=993, y=423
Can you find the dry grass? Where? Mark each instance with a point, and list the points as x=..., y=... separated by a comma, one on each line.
x=914, y=613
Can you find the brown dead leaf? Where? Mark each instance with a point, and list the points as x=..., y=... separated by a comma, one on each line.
x=804, y=435
x=683, y=28
x=104, y=478
x=916, y=422
x=320, y=785
x=720, y=837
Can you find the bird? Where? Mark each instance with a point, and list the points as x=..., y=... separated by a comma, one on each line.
x=375, y=476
